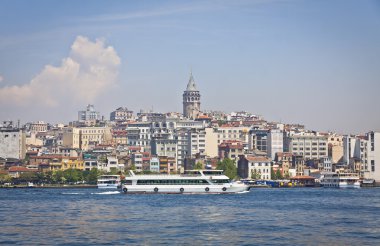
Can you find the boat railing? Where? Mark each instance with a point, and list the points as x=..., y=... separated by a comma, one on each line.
x=165, y=175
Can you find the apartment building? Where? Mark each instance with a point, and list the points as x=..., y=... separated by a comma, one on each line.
x=309, y=146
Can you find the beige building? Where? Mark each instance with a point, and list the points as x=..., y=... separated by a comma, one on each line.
x=33, y=140
x=227, y=133
x=335, y=148
x=93, y=136
x=38, y=126
x=119, y=137
x=85, y=137
x=285, y=160
x=71, y=137
x=230, y=149
x=211, y=142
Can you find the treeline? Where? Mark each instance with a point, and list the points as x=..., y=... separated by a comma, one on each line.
x=69, y=176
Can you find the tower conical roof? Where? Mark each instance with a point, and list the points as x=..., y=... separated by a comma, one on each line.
x=191, y=85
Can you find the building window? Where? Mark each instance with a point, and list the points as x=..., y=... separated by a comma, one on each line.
x=372, y=165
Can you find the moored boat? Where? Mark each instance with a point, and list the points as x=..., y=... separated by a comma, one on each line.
x=193, y=182
x=109, y=182
x=340, y=180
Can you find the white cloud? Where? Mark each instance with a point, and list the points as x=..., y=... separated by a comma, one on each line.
x=90, y=69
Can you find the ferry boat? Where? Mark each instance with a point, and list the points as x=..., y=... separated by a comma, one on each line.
x=109, y=182
x=192, y=182
x=340, y=180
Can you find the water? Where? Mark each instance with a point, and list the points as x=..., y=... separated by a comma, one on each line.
x=260, y=217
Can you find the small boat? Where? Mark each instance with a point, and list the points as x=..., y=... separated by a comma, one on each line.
x=192, y=182
x=109, y=182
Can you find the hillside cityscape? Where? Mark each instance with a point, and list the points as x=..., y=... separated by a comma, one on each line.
x=172, y=142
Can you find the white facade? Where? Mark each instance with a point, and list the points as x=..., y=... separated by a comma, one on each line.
x=351, y=148
x=155, y=164
x=38, y=126
x=137, y=160
x=121, y=114
x=113, y=162
x=275, y=143
x=90, y=164
x=89, y=114
x=164, y=147
x=139, y=134
x=12, y=143
x=372, y=165
x=263, y=168
x=327, y=165
x=197, y=142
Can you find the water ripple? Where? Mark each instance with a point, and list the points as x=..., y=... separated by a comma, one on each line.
x=263, y=216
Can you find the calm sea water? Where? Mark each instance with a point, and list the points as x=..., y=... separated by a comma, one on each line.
x=260, y=217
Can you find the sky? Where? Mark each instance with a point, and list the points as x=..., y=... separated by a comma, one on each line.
x=310, y=62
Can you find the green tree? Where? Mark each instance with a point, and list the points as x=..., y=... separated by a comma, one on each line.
x=73, y=175
x=229, y=168
x=92, y=176
x=255, y=174
x=49, y=177
x=133, y=167
x=102, y=159
x=58, y=177
x=278, y=174
x=198, y=166
x=287, y=176
x=114, y=171
x=272, y=173
x=5, y=178
x=28, y=177
x=40, y=176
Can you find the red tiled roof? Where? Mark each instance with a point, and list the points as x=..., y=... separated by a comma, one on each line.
x=204, y=117
x=282, y=154
x=301, y=177
x=258, y=159
x=20, y=169
x=47, y=157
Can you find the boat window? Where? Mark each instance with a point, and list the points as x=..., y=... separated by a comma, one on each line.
x=175, y=182
x=220, y=181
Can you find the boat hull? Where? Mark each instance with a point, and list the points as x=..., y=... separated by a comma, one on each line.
x=349, y=185
x=108, y=186
x=185, y=189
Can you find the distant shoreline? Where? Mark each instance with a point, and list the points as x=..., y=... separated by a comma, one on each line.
x=50, y=187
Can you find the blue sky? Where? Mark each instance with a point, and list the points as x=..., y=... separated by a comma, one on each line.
x=296, y=61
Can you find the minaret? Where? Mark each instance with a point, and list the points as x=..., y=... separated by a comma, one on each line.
x=191, y=100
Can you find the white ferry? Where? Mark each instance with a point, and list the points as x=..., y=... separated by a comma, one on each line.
x=193, y=182
x=340, y=180
x=109, y=182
